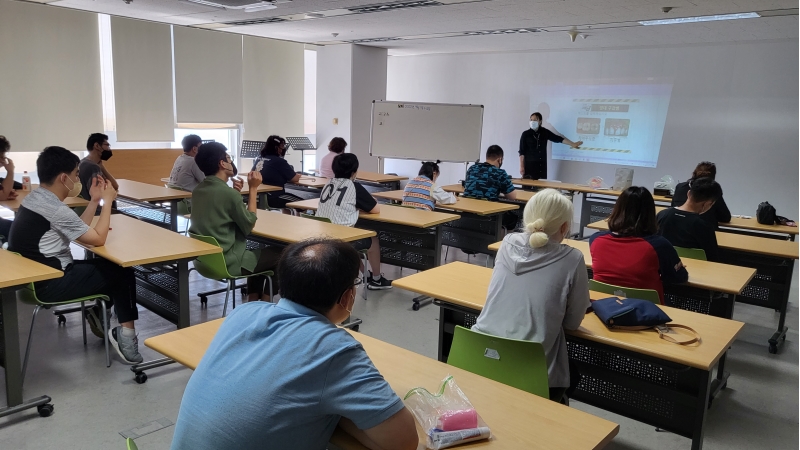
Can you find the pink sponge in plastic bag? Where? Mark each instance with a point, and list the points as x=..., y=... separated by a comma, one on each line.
x=458, y=420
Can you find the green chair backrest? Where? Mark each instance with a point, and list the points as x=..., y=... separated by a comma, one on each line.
x=643, y=294
x=691, y=253
x=185, y=205
x=321, y=219
x=131, y=444
x=28, y=293
x=517, y=363
x=211, y=266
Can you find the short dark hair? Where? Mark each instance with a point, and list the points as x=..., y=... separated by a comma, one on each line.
x=271, y=146
x=316, y=272
x=344, y=165
x=4, y=145
x=634, y=214
x=429, y=168
x=337, y=145
x=538, y=115
x=95, y=138
x=208, y=157
x=190, y=141
x=705, y=169
x=494, y=152
x=53, y=161
x=705, y=189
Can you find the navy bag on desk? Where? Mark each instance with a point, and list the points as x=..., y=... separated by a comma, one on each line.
x=636, y=314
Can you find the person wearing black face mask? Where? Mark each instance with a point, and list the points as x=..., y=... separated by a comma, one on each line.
x=92, y=165
x=533, y=148
x=276, y=171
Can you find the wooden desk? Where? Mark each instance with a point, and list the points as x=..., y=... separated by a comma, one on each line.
x=773, y=260
x=163, y=290
x=13, y=205
x=312, y=182
x=517, y=419
x=149, y=193
x=522, y=196
x=632, y=373
x=290, y=229
x=16, y=273
x=481, y=221
x=381, y=180
x=408, y=237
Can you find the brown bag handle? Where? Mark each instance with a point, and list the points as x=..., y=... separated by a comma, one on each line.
x=667, y=338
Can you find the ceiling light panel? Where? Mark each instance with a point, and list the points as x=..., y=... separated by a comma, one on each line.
x=255, y=21
x=393, y=6
x=714, y=18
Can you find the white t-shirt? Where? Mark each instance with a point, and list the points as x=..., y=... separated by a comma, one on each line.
x=341, y=199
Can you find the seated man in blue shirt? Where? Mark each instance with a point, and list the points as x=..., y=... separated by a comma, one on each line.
x=487, y=181
x=284, y=375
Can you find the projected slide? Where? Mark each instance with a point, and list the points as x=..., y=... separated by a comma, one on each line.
x=619, y=123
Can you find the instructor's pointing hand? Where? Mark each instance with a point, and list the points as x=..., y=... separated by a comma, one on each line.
x=577, y=144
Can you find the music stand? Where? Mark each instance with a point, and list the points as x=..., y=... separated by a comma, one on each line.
x=301, y=144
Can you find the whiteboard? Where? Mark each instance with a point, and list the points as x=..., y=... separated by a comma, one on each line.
x=426, y=131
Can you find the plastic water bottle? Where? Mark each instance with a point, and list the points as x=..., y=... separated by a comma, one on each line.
x=26, y=181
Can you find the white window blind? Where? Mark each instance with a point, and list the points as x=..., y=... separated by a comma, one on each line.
x=142, y=54
x=208, y=76
x=273, y=88
x=49, y=76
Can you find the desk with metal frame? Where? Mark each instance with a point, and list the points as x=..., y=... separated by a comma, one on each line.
x=382, y=181
x=518, y=419
x=160, y=259
x=631, y=373
x=13, y=205
x=408, y=237
x=774, y=262
x=522, y=196
x=481, y=221
x=143, y=196
x=16, y=273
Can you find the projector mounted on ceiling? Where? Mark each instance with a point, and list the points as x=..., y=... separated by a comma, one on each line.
x=246, y=5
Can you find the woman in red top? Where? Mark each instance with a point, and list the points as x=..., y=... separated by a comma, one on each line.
x=631, y=254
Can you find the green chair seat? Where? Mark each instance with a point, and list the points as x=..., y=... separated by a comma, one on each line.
x=691, y=253
x=643, y=294
x=517, y=363
x=214, y=267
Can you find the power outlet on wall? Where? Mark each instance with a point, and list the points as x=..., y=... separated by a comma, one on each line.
x=336, y=121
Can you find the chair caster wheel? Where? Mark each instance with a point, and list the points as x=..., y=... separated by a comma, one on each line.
x=45, y=410
x=415, y=306
x=355, y=328
x=61, y=319
x=140, y=378
x=773, y=348
x=203, y=302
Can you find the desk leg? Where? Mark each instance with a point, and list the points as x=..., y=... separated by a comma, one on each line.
x=183, y=293
x=12, y=362
x=584, y=214
x=442, y=335
x=173, y=215
x=703, y=392
x=437, y=256
x=779, y=337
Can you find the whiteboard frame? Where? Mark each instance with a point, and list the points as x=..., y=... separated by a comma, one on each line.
x=372, y=122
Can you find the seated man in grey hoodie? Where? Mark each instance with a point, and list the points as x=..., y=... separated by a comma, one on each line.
x=539, y=286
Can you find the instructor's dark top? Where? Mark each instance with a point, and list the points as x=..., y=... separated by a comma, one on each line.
x=533, y=146
x=719, y=212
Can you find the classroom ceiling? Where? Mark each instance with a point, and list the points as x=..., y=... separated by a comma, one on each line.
x=445, y=26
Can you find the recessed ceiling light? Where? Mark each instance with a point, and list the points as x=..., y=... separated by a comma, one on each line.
x=264, y=7
x=749, y=15
x=314, y=15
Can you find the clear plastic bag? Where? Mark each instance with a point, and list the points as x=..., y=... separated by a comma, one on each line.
x=447, y=416
x=595, y=182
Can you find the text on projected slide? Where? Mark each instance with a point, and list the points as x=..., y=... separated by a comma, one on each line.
x=619, y=124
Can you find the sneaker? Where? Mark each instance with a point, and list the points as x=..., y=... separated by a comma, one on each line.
x=95, y=322
x=127, y=348
x=376, y=285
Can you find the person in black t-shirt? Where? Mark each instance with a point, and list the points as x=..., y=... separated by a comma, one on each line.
x=533, y=148
x=684, y=226
x=275, y=171
x=719, y=212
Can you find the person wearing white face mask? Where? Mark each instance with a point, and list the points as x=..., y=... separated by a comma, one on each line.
x=43, y=230
x=533, y=148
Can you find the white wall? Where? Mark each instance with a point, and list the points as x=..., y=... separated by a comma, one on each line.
x=369, y=83
x=334, y=79
x=733, y=104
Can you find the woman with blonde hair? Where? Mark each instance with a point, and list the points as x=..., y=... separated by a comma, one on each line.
x=539, y=286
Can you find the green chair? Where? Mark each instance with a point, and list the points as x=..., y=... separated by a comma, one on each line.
x=517, y=363
x=28, y=295
x=131, y=444
x=363, y=252
x=643, y=294
x=214, y=267
x=691, y=253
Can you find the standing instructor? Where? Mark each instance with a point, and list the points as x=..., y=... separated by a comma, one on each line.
x=533, y=148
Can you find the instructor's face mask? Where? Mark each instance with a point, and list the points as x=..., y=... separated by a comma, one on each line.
x=76, y=188
x=106, y=155
x=534, y=125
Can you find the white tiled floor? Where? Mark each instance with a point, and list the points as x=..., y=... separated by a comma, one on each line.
x=93, y=404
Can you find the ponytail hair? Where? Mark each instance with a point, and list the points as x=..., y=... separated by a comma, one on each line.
x=429, y=168
x=544, y=215
x=705, y=169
